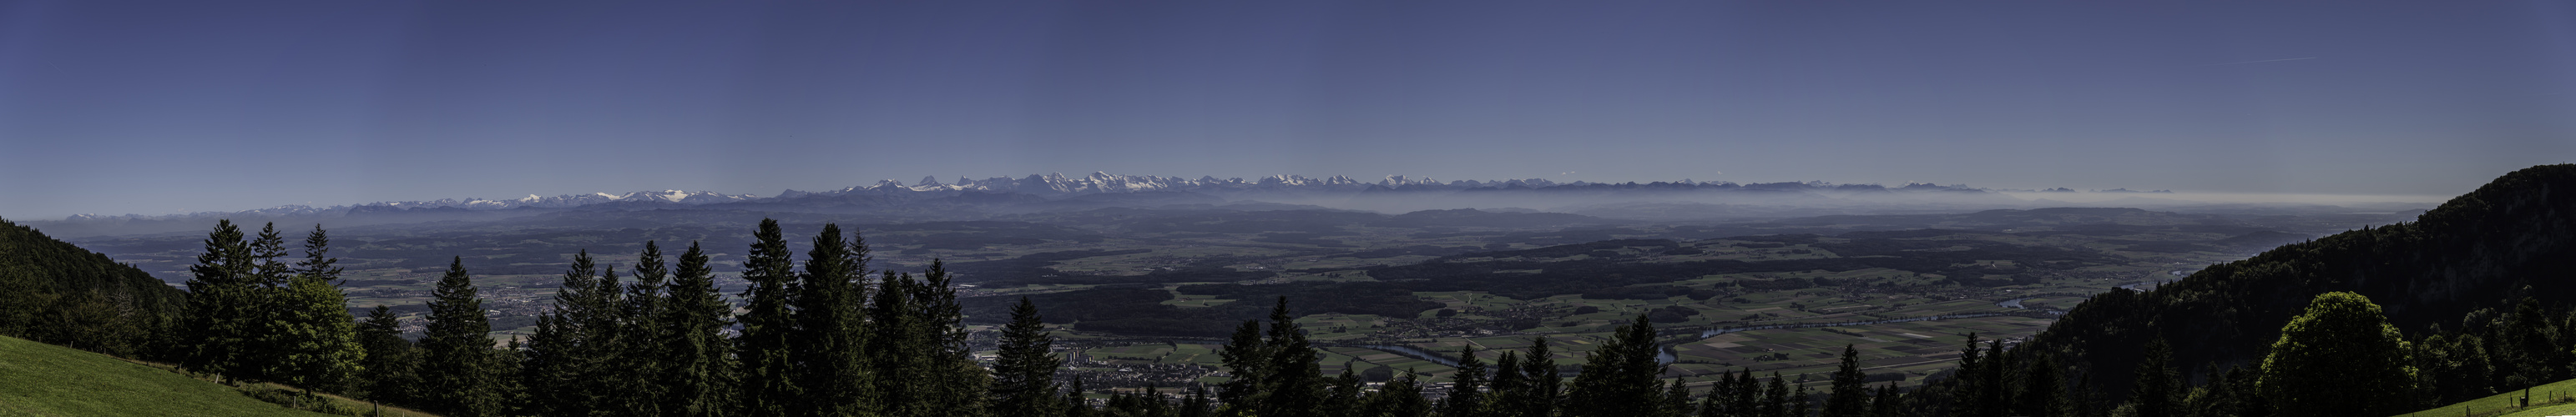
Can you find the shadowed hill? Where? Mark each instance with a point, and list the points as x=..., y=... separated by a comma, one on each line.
x=2474, y=251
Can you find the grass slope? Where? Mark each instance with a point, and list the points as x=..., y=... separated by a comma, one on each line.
x=38, y=379
x=2558, y=393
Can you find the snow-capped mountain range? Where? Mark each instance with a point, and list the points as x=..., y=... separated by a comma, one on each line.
x=1055, y=185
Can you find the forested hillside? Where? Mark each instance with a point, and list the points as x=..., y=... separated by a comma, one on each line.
x=2455, y=281
x=57, y=293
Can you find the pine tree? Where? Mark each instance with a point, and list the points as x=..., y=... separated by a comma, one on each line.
x=570, y=360
x=1295, y=385
x=768, y=326
x=1798, y=402
x=637, y=351
x=2043, y=391
x=697, y=367
x=265, y=348
x=459, y=370
x=1077, y=403
x=1885, y=403
x=1198, y=406
x=1994, y=397
x=1619, y=378
x=391, y=361
x=1546, y=385
x=1024, y=367
x=830, y=351
x=1851, y=388
x=1775, y=399
x=2158, y=392
x=317, y=341
x=1401, y=397
x=1507, y=388
x=1676, y=399
x=1246, y=358
x=1968, y=394
x=1343, y=392
x=1466, y=388
x=958, y=383
x=220, y=303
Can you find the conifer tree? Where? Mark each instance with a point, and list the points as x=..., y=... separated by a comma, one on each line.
x=1676, y=399
x=1546, y=385
x=697, y=367
x=1775, y=399
x=768, y=326
x=1198, y=406
x=637, y=350
x=1968, y=392
x=317, y=340
x=1343, y=393
x=1466, y=388
x=2158, y=392
x=1994, y=397
x=1798, y=402
x=1295, y=385
x=1024, y=368
x=1508, y=386
x=1247, y=361
x=2043, y=392
x=957, y=382
x=830, y=350
x=220, y=303
x=391, y=362
x=569, y=360
x=459, y=370
x=1401, y=397
x=1619, y=378
x=269, y=342
x=1077, y=403
x=1851, y=388
x=1885, y=404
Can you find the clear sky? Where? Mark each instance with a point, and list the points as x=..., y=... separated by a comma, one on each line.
x=118, y=107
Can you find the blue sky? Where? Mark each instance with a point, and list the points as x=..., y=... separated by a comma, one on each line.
x=157, y=107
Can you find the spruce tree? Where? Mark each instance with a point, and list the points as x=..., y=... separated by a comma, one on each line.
x=830, y=350
x=1676, y=399
x=1198, y=404
x=1851, y=388
x=1546, y=385
x=1466, y=388
x=1508, y=386
x=1343, y=392
x=1799, y=402
x=220, y=303
x=638, y=347
x=1401, y=397
x=1619, y=378
x=569, y=360
x=2158, y=392
x=768, y=326
x=271, y=340
x=459, y=370
x=958, y=383
x=1024, y=366
x=697, y=360
x=1967, y=393
x=2043, y=391
x=1775, y=398
x=1295, y=384
x=1247, y=361
x=391, y=361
